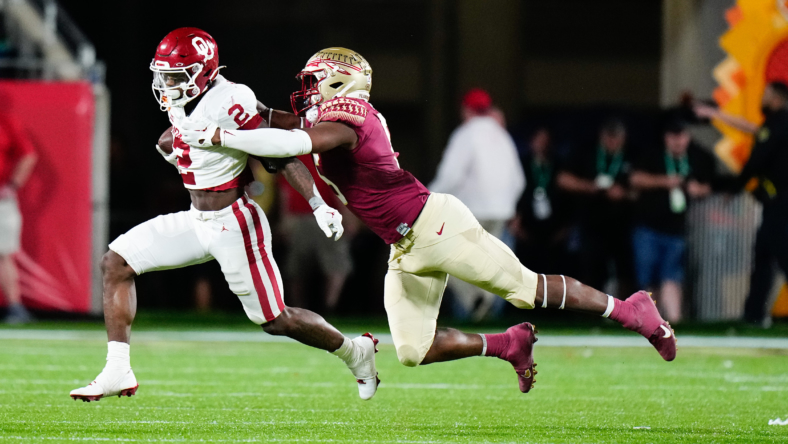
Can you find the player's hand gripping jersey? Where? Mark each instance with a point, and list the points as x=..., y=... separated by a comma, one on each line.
x=368, y=179
x=229, y=106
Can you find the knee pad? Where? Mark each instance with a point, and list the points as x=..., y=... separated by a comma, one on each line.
x=409, y=356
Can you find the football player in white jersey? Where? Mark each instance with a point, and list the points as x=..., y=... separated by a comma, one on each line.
x=222, y=224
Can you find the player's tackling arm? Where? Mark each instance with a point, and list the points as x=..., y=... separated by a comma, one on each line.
x=279, y=119
x=269, y=142
x=287, y=143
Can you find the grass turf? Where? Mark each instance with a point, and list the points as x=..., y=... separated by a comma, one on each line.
x=558, y=323
x=283, y=392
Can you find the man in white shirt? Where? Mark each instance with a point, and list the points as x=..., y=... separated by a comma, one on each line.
x=481, y=168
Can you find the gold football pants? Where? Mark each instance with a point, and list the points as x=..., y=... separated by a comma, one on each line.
x=446, y=239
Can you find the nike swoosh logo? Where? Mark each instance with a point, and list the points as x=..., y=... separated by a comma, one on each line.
x=441, y=231
x=666, y=330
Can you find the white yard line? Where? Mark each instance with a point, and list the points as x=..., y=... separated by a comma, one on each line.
x=544, y=340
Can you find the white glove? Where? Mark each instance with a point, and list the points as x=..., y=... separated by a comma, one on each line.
x=197, y=134
x=171, y=158
x=329, y=220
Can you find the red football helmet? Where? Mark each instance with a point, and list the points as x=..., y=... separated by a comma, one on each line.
x=186, y=61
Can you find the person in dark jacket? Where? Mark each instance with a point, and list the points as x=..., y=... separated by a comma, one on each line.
x=769, y=164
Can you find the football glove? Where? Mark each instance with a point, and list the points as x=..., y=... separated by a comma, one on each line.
x=330, y=221
x=197, y=134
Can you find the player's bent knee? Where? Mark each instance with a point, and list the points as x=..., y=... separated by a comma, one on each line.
x=278, y=326
x=114, y=267
x=409, y=356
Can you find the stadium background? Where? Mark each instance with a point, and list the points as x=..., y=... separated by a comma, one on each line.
x=567, y=64
x=76, y=73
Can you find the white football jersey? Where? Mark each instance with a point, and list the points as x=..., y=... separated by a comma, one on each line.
x=230, y=106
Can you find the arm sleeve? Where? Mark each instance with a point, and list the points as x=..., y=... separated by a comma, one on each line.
x=453, y=167
x=268, y=142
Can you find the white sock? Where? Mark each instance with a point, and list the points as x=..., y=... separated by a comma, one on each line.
x=611, y=303
x=347, y=352
x=118, y=356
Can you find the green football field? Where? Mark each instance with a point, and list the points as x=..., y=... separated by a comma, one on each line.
x=285, y=392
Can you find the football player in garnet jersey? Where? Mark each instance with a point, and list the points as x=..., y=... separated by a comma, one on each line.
x=432, y=235
x=222, y=224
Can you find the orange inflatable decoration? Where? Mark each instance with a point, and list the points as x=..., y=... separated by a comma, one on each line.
x=757, y=47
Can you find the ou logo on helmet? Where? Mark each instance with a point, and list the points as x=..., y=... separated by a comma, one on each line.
x=206, y=49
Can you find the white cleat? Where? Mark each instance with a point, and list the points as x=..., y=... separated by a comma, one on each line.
x=107, y=383
x=365, y=372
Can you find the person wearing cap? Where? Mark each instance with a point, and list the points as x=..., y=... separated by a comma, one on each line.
x=597, y=180
x=17, y=159
x=768, y=163
x=480, y=167
x=666, y=180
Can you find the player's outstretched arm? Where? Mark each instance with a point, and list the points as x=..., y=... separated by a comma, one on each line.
x=279, y=119
x=269, y=142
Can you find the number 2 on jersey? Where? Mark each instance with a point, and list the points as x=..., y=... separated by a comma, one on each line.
x=241, y=117
x=184, y=159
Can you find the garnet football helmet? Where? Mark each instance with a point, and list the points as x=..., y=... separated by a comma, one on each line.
x=186, y=61
x=332, y=72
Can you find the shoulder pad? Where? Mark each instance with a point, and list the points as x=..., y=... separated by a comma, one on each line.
x=342, y=110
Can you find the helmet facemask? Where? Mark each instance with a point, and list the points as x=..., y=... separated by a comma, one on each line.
x=175, y=86
x=309, y=94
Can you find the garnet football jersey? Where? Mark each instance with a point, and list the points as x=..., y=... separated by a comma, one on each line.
x=230, y=106
x=368, y=179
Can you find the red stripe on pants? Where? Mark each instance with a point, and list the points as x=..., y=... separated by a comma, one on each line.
x=262, y=296
x=261, y=246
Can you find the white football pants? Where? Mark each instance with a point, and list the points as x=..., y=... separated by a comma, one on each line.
x=238, y=237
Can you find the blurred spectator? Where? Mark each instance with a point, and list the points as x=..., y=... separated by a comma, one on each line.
x=540, y=224
x=307, y=244
x=769, y=164
x=17, y=159
x=598, y=178
x=480, y=167
x=666, y=179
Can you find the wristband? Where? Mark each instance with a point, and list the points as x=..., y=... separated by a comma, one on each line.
x=317, y=200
